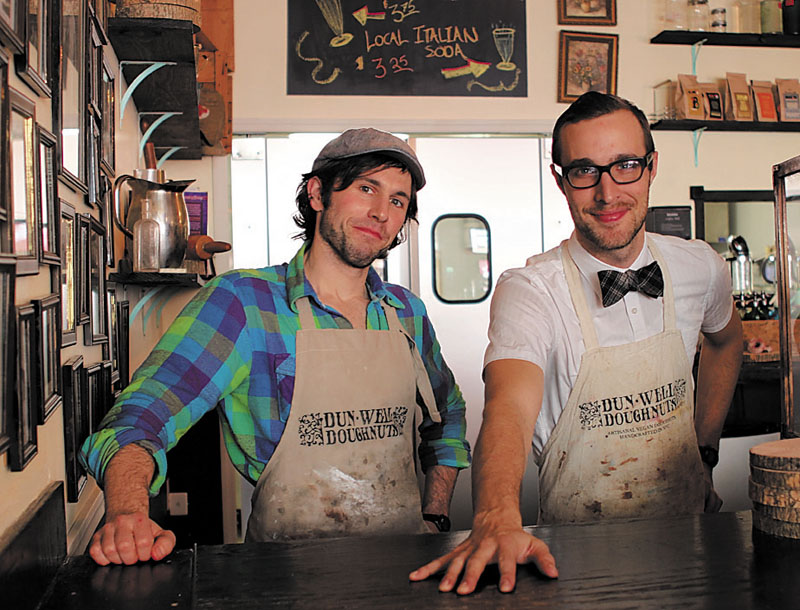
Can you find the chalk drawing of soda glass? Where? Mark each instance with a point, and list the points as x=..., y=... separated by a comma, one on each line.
x=332, y=12
x=504, y=41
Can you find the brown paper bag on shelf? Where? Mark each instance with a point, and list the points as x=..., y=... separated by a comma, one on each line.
x=764, y=101
x=738, y=103
x=788, y=98
x=689, y=98
x=712, y=101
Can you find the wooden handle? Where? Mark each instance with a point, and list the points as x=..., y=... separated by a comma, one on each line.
x=150, y=156
x=202, y=247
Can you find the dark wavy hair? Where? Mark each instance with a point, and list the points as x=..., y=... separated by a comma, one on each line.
x=337, y=175
x=592, y=105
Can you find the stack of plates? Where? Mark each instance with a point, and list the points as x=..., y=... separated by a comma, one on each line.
x=775, y=487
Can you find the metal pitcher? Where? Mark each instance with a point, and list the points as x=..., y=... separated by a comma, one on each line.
x=167, y=206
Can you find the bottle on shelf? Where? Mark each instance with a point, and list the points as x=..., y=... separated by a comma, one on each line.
x=790, y=12
x=675, y=14
x=699, y=15
x=732, y=11
x=750, y=16
x=719, y=20
x=771, y=21
x=146, y=241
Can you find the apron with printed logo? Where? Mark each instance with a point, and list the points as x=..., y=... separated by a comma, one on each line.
x=625, y=444
x=345, y=462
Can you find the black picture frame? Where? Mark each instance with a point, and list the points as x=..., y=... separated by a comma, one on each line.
x=35, y=64
x=69, y=108
x=578, y=12
x=24, y=443
x=46, y=196
x=108, y=109
x=69, y=319
x=94, y=64
x=24, y=213
x=76, y=427
x=123, y=343
x=12, y=24
x=93, y=161
x=5, y=143
x=112, y=351
x=586, y=62
x=96, y=332
x=8, y=358
x=82, y=262
x=106, y=206
x=94, y=396
x=48, y=322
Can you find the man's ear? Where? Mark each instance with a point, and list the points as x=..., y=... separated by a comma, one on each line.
x=559, y=179
x=314, y=190
x=654, y=166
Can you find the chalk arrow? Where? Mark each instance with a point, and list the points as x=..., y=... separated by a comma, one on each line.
x=362, y=15
x=476, y=68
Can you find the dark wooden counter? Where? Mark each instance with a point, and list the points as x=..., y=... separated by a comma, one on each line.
x=707, y=561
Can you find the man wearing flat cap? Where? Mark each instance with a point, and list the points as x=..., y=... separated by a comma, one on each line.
x=319, y=372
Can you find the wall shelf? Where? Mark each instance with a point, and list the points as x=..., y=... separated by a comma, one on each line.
x=725, y=39
x=171, y=89
x=177, y=280
x=693, y=125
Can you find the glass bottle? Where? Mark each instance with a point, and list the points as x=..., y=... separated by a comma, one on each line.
x=771, y=20
x=791, y=16
x=750, y=16
x=732, y=10
x=698, y=16
x=719, y=20
x=146, y=241
x=675, y=14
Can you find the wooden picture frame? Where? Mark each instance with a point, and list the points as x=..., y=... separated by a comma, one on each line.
x=12, y=24
x=8, y=357
x=123, y=343
x=112, y=351
x=586, y=62
x=35, y=64
x=94, y=65
x=22, y=182
x=587, y=12
x=48, y=322
x=94, y=396
x=93, y=161
x=76, y=427
x=24, y=444
x=5, y=139
x=82, y=262
x=108, y=101
x=69, y=108
x=106, y=206
x=47, y=200
x=69, y=323
x=97, y=330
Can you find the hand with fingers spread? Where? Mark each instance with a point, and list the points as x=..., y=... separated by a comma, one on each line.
x=129, y=538
x=494, y=539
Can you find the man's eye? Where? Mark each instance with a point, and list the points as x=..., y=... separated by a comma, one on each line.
x=629, y=164
x=587, y=170
x=366, y=188
x=398, y=203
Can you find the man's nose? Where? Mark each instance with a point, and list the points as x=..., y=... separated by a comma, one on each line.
x=380, y=209
x=607, y=190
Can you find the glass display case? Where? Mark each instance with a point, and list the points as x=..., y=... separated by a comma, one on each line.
x=786, y=184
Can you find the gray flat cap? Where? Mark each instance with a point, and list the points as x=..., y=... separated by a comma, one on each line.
x=354, y=142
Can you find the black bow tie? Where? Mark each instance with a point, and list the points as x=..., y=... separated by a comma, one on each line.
x=615, y=285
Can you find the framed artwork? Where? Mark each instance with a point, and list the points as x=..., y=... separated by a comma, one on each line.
x=113, y=332
x=70, y=111
x=5, y=225
x=24, y=215
x=107, y=211
x=94, y=65
x=586, y=62
x=69, y=325
x=99, y=11
x=82, y=262
x=24, y=442
x=587, y=12
x=76, y=427
x=35, y=64
x=123, y=342
x=93, y=161
x=49, y=371
x=12, y=24
x=94, y=396
x=98, y=321
x=49, y=214
x=8, y=357
x=108, y=110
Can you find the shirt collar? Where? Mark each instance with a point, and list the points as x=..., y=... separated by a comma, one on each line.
x=588, y=265
x=297, y=286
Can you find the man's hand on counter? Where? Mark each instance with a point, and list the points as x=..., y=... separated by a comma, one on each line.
x=129, y=538
x=489, y=542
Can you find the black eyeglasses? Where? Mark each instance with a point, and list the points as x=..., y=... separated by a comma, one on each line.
x=624, y=171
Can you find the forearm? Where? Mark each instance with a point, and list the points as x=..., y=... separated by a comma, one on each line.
x=439, y=484
x=127, y=482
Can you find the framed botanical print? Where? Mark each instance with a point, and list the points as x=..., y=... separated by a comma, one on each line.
x=587, y=12
x=586, y=62
x=8, y=350
x=76, y=427
x=123, y=342
x=82, y=263
x=49, y=370
x=97, y=331
x=69, y=324
x=34, y=66
x=70, y=110
x=12, y=24
x=24, y=441
x=49, y=214
x=24, y=216
x=5, y=223
x=108, y=110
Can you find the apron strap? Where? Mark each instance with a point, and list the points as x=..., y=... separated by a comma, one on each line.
x=669, y=296
x=423, y=381
x=306, y=316
x=579, y=299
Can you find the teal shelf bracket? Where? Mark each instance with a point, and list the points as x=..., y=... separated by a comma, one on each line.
x=157, y=298
x=152, y=66
x=163, y=116
x=167, y=155
x=695, y=53
x=696, y=135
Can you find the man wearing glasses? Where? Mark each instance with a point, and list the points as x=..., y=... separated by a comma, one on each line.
x=590, y=356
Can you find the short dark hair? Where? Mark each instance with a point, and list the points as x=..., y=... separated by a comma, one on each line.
x=592, y=105
x=337, y=175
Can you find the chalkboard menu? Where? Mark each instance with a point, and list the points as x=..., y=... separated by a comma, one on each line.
x=417, y=47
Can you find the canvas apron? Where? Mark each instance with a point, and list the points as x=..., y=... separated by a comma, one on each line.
x=625, y=444
x=345, y=463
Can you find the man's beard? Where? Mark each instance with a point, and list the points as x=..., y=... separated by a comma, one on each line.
x=602, y=242
x=346, y=252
